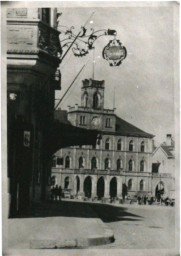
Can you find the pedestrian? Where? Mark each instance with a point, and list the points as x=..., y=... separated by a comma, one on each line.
x=52, y=193
x=56, y=192
x=60, y=193
x=145, y=200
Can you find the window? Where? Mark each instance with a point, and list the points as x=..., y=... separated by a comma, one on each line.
x=119, y=164
x=142, y=146
x=131, y=165
x=59, y=161
x=96, y=100
x=94, y=163
x=130, y=184
x=81, y=162
x=107, y=144
x=85, y=100
x=119, y=145
x=46, y=15
x=108, y=122
x=131, y=145
x=141, y=185
x=67, y=162
x=66, y=182
x=142, y=166
x=82, y=120
x=107, y=163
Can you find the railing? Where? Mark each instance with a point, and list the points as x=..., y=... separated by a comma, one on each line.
x=76, y=107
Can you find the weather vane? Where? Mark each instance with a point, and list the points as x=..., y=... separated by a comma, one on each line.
x=114, y=52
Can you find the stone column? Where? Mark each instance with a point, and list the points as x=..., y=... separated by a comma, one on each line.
x=81, y=190
x=107, y=187
x=119, y=186
x=94, y=186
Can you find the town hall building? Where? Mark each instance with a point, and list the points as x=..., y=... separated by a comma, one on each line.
x=120, y=161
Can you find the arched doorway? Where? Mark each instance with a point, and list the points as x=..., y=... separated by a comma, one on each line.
x=88, y=186
x=159, y=191
x=113, y=187
x=100, y=188
x=66, y=182
x=77, y=184
x=124, y=191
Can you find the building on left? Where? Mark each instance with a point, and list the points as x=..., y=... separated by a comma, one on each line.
x=33, y=75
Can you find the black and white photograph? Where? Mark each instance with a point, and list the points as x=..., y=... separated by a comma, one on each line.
x=90, y=128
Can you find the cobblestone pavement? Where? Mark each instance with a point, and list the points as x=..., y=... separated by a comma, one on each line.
x=143, y=227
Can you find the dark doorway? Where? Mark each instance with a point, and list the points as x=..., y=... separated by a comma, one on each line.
x=124, y=191
x=77, y=184
x=113, y=187
x=66, y=182
x=88, y=187
x=100, y=188
x=159, y=191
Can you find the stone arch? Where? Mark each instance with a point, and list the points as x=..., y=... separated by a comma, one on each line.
x=159, y=190
x=96, y=100
x=94, y=163
x=77, y=184
x=81, y=162
x=131, y=145
x=85, y=99
x=67, y=182
x=100, y=187
x=113, y=187
x=88, y=186
x=67, y=162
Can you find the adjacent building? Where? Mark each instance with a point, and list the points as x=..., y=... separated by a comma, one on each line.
x=163, y=168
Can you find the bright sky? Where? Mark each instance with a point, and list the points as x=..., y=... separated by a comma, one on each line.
x=144, y=83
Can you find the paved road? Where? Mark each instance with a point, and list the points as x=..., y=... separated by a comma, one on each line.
x=140, y=227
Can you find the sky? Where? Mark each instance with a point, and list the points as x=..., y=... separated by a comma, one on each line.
x=144, y=82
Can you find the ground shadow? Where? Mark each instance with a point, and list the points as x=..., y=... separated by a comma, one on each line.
x=107, y=213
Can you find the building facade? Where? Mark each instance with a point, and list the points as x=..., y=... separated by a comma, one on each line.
x=121, y=161
x=163, y=168
x=32, y=62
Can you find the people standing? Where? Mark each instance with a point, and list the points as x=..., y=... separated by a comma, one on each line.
x=59, y=193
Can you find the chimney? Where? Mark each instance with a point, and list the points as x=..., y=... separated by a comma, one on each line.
x=169, y=140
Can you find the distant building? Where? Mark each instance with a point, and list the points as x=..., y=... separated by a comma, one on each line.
x=163, y=168
x=121, y=162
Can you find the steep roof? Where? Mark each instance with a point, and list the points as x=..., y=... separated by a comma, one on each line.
x=126, y=129
x=168, y=150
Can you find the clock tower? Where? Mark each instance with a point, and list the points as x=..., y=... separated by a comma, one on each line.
x=92, y=94
x=91, y=114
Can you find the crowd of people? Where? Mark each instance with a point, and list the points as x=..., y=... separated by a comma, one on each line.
x=56, y=193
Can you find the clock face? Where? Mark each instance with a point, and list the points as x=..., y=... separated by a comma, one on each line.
x=96, y=122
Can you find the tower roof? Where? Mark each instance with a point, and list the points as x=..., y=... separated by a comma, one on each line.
x=93, y=83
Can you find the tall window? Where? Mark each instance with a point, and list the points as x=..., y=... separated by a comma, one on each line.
x=141, y=185
x=130, y=184
x=96, y=100
x=81, y=162
x=131, y=165
x=46, y=15
x=94, y=163
x=82, y=120
x=119, y=145
x=85, y=100
x=107, y=144
x=107, y=163
x=142, y=146
x=108, y=122
x=142, y=166
x=119, y=164
x=67, y=162
x=131, y=145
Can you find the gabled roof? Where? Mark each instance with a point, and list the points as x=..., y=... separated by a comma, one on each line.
x=168, y=150
x=127, y=129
